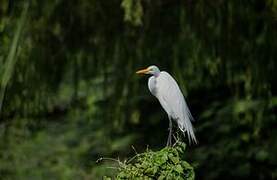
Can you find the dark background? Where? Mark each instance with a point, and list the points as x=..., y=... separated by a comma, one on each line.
x=69, y=93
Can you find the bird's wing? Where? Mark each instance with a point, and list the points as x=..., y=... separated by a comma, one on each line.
x=172, y=100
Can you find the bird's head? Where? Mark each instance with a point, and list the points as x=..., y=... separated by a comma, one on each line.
x=153, y=70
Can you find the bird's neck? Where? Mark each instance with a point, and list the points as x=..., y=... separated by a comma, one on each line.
x=156, y=74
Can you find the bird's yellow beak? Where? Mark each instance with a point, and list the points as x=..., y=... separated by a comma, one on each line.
x=143, y=71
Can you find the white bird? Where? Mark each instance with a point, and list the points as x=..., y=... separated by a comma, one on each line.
x=166, y=90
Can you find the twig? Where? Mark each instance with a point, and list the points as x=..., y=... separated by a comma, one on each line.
x=108, y=159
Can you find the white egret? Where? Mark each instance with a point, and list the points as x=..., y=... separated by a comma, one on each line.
x=166, y=90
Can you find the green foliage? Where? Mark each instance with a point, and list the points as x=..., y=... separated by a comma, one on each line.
x=273, y=5
x=11, y=58
x=71, y=94
x=133, y=11
x=167, y=163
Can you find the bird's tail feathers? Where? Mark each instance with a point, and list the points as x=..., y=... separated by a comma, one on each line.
x=186, y=127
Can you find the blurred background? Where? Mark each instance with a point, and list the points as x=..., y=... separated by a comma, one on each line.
x=69, y=93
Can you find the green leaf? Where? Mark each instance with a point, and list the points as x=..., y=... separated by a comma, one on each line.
x=175, y=160
x=179, y=168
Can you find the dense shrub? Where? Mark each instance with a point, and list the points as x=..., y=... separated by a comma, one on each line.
x=167, y=163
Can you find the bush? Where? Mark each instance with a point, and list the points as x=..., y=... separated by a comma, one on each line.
x=167, y=163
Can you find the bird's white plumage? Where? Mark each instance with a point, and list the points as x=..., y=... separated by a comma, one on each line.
x=167, y=91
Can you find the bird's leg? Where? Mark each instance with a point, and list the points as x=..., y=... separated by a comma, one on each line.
x=169, y=143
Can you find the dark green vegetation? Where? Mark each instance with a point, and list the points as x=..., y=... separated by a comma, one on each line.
x=69, y=94
x=167, y=163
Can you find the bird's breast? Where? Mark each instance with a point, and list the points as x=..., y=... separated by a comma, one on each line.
x=152, y=85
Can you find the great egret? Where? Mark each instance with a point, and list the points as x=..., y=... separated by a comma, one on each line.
x=166, y=90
